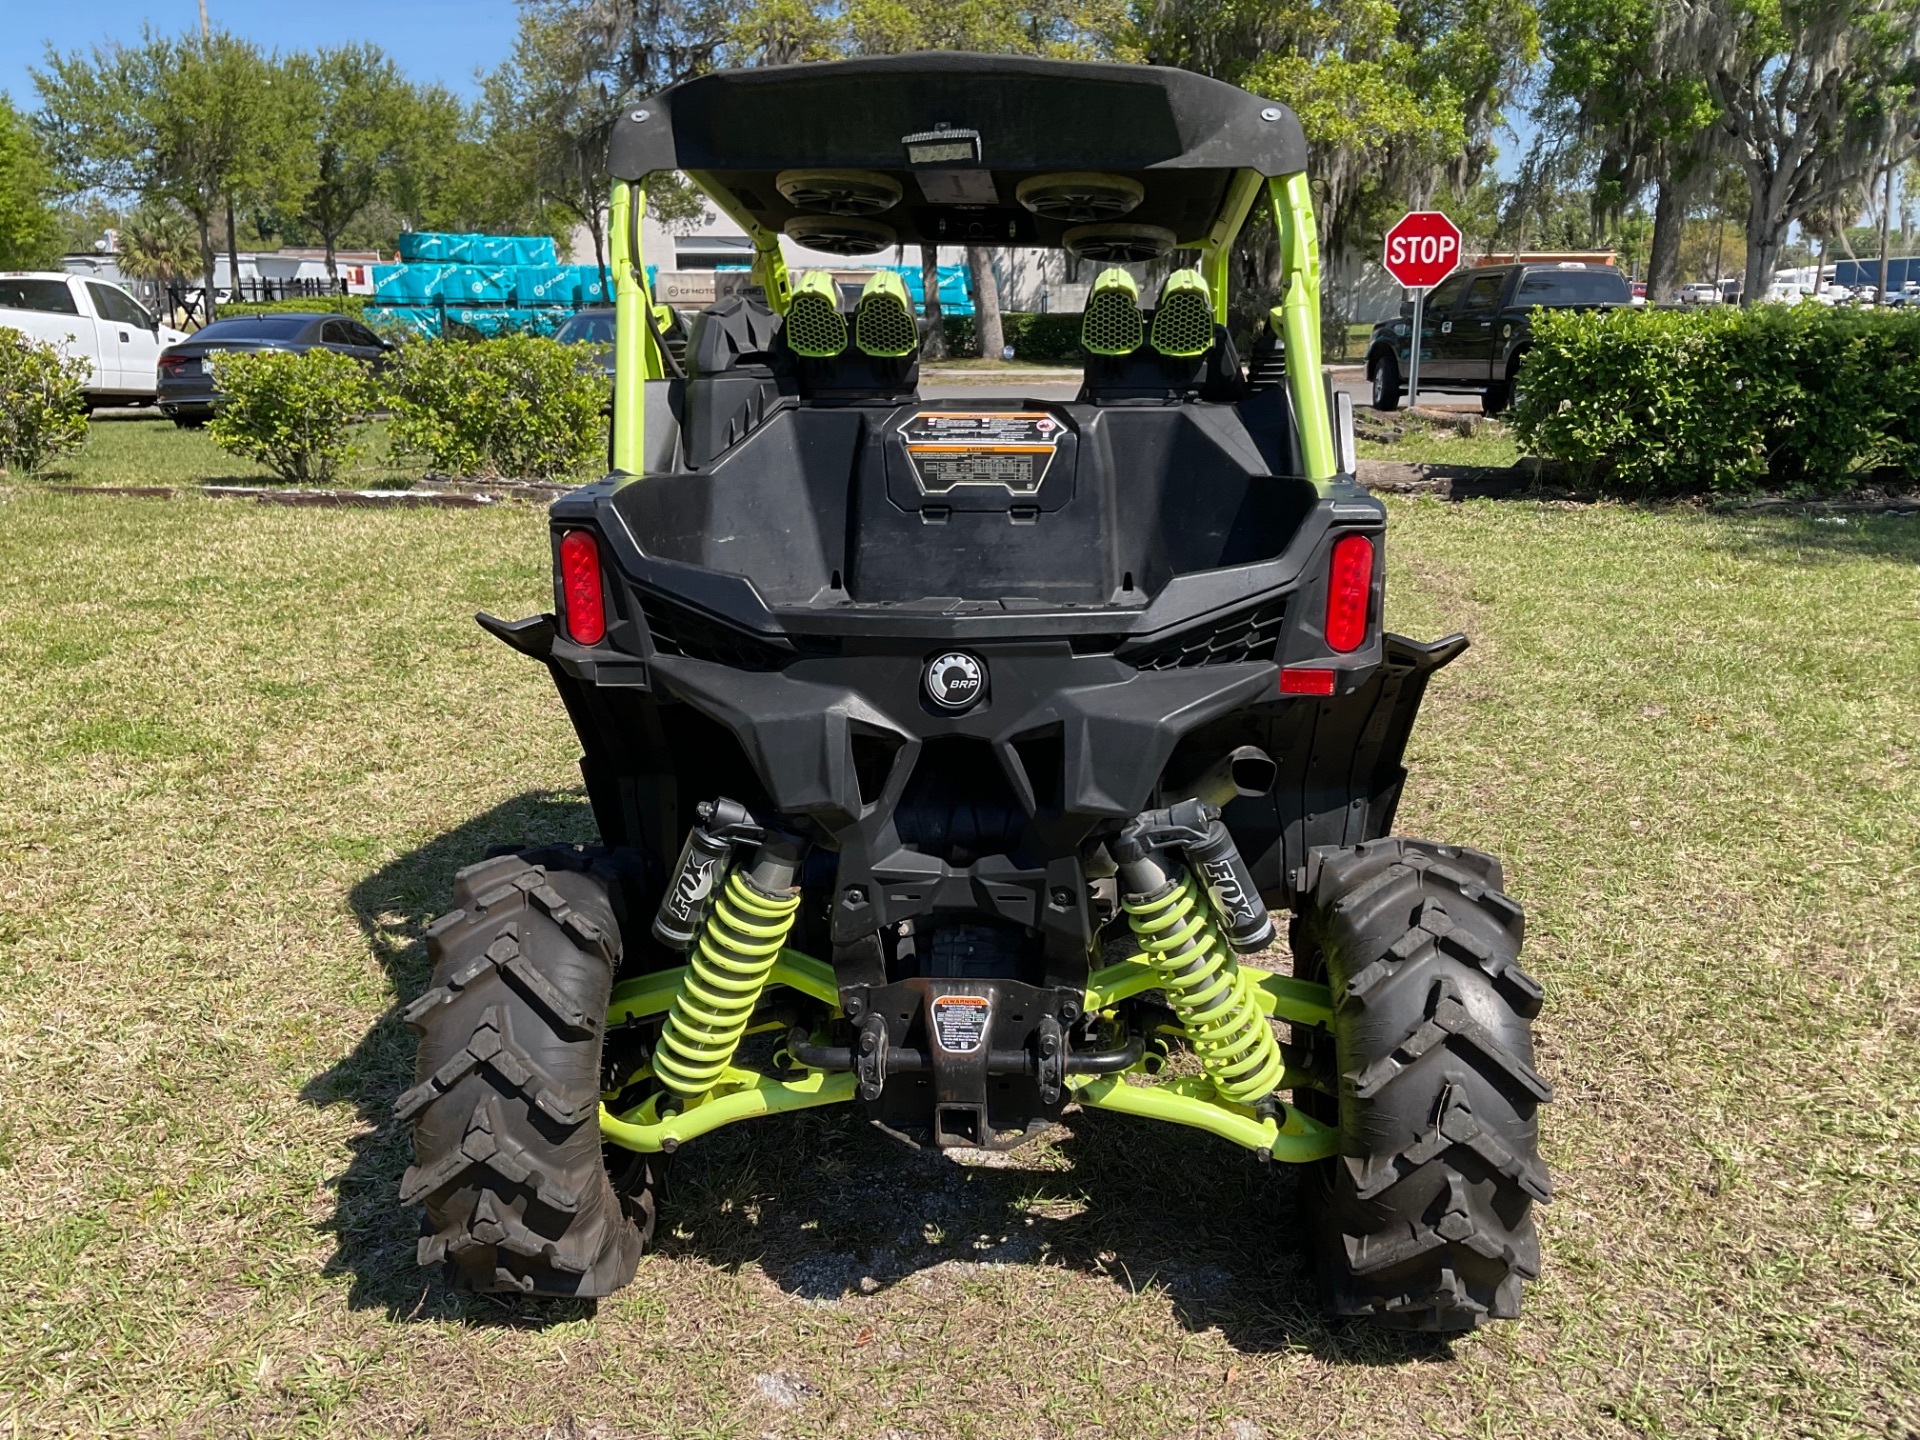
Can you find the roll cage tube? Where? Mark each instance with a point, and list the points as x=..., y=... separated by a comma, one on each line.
x=1292, y=203
x=637, y=355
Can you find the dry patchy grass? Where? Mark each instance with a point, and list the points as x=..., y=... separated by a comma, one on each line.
x=244, y=748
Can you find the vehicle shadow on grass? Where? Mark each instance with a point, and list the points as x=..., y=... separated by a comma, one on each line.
x=832, y=1210
x=1820, y=539
x=829, y=1208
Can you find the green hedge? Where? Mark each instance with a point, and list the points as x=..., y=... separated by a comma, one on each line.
x=517, y=406
x=337, y=304
x=43, y=403
x=298, y=415
x=1044, y=339
x=1671, y=402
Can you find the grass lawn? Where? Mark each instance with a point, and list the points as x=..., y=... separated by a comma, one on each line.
x=1492, y=444
x=149, y=449
x=245, y=748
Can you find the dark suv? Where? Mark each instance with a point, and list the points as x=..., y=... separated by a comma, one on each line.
x=1477, y=328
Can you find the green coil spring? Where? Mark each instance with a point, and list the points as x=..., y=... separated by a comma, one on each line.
x=729, y=967
x=1208, y=991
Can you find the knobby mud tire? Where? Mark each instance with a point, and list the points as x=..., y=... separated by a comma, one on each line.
x=505, y=1109
x=1424, y=1220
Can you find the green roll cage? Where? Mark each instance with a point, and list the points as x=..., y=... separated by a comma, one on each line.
x=638, y=357
x=1284, y=1133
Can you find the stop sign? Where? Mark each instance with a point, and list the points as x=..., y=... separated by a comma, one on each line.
x=1422, y=249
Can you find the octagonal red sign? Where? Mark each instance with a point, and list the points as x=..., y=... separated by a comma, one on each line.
x=1422, y=249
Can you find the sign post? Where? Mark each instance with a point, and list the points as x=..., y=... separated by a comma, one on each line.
x=1421, y=250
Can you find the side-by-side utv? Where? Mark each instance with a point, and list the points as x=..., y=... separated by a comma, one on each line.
x=952, y=759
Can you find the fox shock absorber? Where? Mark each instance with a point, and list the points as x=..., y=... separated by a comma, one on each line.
x=735, y=923
x=1190, y=939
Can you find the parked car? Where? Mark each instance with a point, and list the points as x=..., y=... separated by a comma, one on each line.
x=99, y=322
x=187, y=393
x=1478, y=325
x=1700, y=293
x=593, y=328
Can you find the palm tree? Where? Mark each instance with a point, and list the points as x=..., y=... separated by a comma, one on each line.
x=158, y=243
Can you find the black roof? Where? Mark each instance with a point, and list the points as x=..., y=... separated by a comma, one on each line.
x=1181, y=135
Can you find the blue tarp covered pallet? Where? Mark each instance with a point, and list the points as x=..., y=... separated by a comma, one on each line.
x=956, y=291
x=431, y=247
x=409, y=284
x=546, y=285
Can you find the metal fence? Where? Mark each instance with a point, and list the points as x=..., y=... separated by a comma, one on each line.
x=191, y=299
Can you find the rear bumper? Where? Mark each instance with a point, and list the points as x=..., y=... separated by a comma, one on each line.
x=187, y=402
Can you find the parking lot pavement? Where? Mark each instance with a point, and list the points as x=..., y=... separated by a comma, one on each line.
x=1350, y=379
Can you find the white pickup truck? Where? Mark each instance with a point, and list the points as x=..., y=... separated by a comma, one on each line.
x=98, y=322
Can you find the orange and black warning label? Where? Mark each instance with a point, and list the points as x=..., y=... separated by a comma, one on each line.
x=960, y=1022
x=951, y=448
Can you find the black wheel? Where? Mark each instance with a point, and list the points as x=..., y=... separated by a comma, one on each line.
x=1387, y=388
x=506, y=1132
x=189, y=422
x=1424, y=1221
x=1497, y=398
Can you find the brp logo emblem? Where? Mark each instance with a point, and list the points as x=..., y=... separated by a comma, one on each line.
x=956, y=681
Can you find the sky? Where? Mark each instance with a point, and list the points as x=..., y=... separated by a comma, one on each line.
x=445, y=40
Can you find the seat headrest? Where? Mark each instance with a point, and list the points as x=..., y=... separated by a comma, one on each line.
x=1112, y=323
x=815, y=326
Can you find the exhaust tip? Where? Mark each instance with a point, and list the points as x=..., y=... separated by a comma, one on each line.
x=1252, y=771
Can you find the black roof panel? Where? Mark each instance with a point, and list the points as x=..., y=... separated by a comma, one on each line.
x=1180, y=134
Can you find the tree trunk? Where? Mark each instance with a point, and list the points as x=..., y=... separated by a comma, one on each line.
x=986, y=303
x=1765, y=235
x=233, y=252
x=1663, y=261
x=934, y=347
x=208, y=310
x=1820, y=269
x=333, y=274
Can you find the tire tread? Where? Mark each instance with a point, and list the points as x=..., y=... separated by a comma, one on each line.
x=1425, y=1217
x=506, y=1101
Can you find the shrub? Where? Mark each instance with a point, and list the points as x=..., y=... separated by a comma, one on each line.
x=298, y=415
x=43, y=405
x=332, y=304
x=515, y=406
x=1666, y=402
x=1052, y=338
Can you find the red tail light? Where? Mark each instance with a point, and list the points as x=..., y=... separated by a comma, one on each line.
x=1349, y=589
x=580, y=588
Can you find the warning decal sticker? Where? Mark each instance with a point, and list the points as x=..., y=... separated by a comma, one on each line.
x=1008, y=448
x=960, y=1022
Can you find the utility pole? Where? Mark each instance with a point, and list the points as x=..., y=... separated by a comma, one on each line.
x=206, y=31
x=1886, y=224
